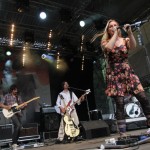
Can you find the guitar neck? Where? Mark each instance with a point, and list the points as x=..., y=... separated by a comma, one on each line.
x=79, y=99
x=35, y=98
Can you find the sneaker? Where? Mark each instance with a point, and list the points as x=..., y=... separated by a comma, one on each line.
x=14, y=146
x=17, y=147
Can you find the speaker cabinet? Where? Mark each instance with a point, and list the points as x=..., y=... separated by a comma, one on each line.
x=4, y=120
x=50, y=121
x=5, y=132
x=94, y=129
x=29, y=129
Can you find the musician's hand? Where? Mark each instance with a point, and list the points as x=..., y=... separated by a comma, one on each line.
x=8, y=107
x=82, y=98
x=24, y=105
x=62, y=109
x=127, y=28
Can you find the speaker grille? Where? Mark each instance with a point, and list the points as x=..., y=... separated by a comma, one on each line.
x=5, y=131
x=51, y=121
x=94, y=129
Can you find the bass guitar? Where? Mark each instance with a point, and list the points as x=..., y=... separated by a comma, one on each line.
x=16, y=108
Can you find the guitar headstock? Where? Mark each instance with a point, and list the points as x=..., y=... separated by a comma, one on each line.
x=87, y=91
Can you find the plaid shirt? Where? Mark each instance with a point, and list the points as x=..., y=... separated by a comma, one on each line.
x=10, y=99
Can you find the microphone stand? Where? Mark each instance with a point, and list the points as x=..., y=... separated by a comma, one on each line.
x=77, y=89
x=87, y=104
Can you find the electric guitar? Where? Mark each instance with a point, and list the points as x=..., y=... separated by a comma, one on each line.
x=16, y=108
x=70, y=128
x=69, y=108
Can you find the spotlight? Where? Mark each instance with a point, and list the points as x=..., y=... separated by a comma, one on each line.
x=8, y=53
x=43, y=15
x=82, y=23
x=47, y=57
x=43, y=56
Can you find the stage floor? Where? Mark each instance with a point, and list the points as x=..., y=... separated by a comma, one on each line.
x=92, y=144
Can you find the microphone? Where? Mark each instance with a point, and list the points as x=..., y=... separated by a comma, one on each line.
x=134, y=24
x=139, y=23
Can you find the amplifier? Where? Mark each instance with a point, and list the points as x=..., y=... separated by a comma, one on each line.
x=29, y=129
x=4, y=120
x=5, y=132
x=47, y=109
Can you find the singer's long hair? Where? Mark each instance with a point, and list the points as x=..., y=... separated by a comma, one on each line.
x=106, y=35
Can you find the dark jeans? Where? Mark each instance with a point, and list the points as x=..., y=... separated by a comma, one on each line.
x=16, y=120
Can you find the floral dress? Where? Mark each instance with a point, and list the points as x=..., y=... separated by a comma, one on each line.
x=120, y=77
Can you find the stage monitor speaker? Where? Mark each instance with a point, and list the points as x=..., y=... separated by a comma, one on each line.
x=94, y=129
x=5, y=132
x=51, y=121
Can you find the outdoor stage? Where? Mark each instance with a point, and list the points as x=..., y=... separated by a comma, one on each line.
x=86, y=144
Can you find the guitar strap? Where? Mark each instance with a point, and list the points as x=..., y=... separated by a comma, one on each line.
x=17, y=99
x=70, y=94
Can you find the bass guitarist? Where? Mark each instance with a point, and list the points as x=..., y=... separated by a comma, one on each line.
x=64, y=99
x=8, y=100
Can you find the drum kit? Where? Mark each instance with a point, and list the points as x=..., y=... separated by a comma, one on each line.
x=133, y=108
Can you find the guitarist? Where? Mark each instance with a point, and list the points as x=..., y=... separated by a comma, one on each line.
x=68, y=98
x=8, y=100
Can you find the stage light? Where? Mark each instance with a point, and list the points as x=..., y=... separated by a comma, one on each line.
x=8, y=53
x=43, y=15
x=47, y=57
x=43, y=56
x=82, y=23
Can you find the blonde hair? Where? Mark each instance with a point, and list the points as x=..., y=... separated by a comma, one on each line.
x=106, y=36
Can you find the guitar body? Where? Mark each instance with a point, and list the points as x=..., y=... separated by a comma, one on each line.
x=11, y=112
x=16, y=108
x=70, y=128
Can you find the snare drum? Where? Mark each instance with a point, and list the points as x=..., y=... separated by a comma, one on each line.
x=95, y=114
x=133, y=110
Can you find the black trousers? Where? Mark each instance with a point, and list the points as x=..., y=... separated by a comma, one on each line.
x=16, y=120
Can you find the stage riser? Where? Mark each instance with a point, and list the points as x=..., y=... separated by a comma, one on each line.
x=136, y=125
x=28, y=133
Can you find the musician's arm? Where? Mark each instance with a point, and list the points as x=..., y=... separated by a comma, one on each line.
x=75, y=98
x=5, y=106
x=21, y=102
x=58, y=103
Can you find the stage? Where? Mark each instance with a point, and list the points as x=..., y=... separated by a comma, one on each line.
x=86, y=144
